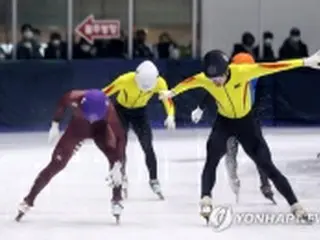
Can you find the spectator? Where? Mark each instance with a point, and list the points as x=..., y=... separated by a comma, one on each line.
x=117, y=48
x=101, y=46
x=246, y=46
x=167, y=48
x=84, y=50
x=28, y=48
x=267, y=49
x=140, y=48
x=37, y=35
x=293, y=47
x=56, y=49
x=37, y=38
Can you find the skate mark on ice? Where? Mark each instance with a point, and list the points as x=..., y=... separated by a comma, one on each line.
x=188, y=160
x=304, y=167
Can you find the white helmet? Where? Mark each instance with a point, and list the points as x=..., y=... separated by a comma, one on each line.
x=146, y=75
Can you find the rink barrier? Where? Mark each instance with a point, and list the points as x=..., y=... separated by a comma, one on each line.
x=29, y=91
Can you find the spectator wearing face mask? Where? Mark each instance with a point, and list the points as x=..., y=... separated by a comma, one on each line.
x=293, y=47
x=84, y=50
x=267, y=49
x=140, y=47
x=56, y=49
x=28, y=48
x=246, y=45
x=166, y=47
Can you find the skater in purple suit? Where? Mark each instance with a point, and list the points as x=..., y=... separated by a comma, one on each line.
x=93, y=117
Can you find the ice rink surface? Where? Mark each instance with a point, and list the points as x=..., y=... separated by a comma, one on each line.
x=76, y=204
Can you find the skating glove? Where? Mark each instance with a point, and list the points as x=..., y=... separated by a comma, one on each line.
x=166, y=94
x=54, y=132
x=313, y=61
x=170, y=123
x=196, y=115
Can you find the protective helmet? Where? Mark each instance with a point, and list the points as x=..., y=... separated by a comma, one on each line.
x=94, y=105
x=243, y=58
x=215, y=63
x=146, y=75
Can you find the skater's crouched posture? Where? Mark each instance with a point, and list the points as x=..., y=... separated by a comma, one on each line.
x=93, y=117
x=233, y=143
x=228, y=84
x=134, y=90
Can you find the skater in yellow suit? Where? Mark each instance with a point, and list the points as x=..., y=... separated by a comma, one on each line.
x=229, y=86
x=134, y=90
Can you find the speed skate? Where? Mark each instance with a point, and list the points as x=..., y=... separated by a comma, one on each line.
x=76, y=205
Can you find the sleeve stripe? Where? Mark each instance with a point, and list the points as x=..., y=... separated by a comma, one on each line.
x=108, y=90
x=190, y=79
x=274, y=65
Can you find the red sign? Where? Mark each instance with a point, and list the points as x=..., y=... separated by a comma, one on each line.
x=91, y=29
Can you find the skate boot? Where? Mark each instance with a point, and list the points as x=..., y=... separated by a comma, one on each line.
x=298, y=211
x=116, y=210
x=155, y=186
x=125, y=187
x=267, y=193
x=206, y=208
x=23, y=208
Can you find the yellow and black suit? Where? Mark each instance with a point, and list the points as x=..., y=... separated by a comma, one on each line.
x=131, y=104
x=235, y=118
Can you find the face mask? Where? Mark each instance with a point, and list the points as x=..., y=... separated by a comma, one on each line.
x=85, y=47
x=268, y=41
x=56, y=42
x=295, y=39
x=146, y=84
x=28, y=34
x=219, y=81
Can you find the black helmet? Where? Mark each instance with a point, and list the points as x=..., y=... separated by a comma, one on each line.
x=215, y=63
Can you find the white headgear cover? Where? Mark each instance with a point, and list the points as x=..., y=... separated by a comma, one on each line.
x=146, y=75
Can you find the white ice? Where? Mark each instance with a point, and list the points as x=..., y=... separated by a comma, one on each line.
x=76, y=204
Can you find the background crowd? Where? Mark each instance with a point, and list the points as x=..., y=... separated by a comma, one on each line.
x=31, y=46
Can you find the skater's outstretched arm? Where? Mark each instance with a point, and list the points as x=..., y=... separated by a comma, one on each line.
x=253, y=71
x=196, y=81
x=262, y=69
x=70, y=99
x=168, y=103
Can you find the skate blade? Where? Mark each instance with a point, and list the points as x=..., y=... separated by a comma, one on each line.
x=117, y=217
x=161, y=197
x=272, y=200
x=206, y=218
x=237, y=197
x=19, y=216
x=306, y=220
